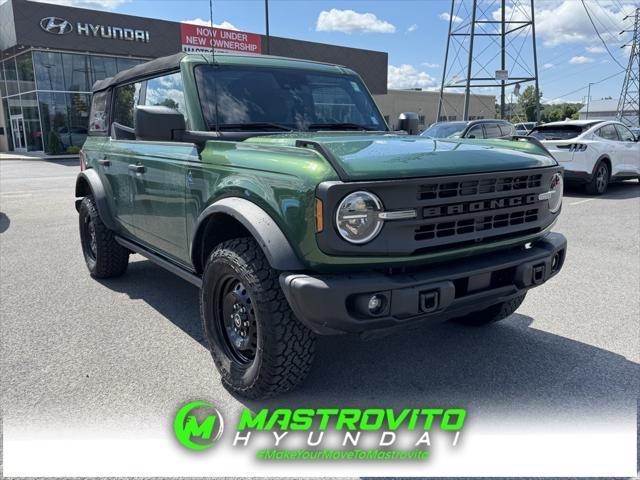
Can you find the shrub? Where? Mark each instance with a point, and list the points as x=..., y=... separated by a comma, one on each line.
x=54, y=146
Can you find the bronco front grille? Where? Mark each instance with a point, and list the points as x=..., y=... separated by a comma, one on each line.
x=451, y=211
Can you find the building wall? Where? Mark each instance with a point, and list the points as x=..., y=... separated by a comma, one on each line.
x=425, y=104
x=164, y=38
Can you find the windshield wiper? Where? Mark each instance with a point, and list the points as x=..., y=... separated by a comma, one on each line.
x=339, y=126
x=253, y=126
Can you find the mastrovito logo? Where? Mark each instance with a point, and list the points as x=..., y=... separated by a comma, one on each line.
x=198, y=425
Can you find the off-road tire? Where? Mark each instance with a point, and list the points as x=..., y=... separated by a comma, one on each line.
x=110, y=259
x=598, y=185
x=284, y=347
x=493, y=314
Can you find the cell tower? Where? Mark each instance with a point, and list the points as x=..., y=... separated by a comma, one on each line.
x=630, y=95
x=491, y=44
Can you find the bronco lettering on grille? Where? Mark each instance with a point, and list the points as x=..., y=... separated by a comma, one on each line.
x=478, y=206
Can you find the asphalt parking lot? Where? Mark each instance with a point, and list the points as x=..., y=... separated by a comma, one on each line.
x=75, y=348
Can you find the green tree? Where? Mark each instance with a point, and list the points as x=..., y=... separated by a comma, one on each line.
x=527, y=103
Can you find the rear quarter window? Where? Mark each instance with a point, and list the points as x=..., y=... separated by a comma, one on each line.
x=99, y=110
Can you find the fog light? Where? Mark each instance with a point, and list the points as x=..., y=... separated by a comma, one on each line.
x=376, y=302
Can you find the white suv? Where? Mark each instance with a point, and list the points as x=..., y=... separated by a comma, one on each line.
x=592, y=152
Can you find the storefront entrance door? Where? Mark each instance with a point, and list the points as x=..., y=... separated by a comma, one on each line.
x=17, y=129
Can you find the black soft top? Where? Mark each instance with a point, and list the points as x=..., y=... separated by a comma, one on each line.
x=144, y=69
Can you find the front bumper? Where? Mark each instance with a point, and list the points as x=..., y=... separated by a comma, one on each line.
x=575, y=176
x=332, y=303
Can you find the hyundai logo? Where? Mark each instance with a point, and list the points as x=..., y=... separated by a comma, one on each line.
x=56, y=25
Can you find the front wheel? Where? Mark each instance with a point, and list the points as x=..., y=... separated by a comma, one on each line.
x=493, y=314
x=258, y=345
x=600, y=181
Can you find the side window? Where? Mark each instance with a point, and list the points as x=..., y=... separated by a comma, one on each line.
x=98, y=117
x=475, y=132
x=506, y=130
x=608, y=132
x=625, y=134
x=492, y=130
x=167, y=91
x=126, y=97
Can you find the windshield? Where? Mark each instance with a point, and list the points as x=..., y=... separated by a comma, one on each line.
x=444, y=130
x=556, y=132
x=280, y=99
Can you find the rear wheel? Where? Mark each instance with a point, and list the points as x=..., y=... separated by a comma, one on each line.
x=493, y=314
x=258, y=345
x=600, y=180
x=104, y=256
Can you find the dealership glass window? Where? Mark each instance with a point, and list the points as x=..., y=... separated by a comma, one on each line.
x=5, y=109
x=103, y=67
x=126, y=97
x=166, y=91
x=77, y=73
x=11, y=76
x=49, y=72
x=31, y=120
x=24, y=66
x=125, y=63
x=3, y=87
x=66, y=116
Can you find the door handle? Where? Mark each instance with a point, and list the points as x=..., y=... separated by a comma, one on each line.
x=136, y=168
x=104, y=162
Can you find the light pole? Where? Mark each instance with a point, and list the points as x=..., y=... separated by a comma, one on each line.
x=588, y=100
x=266, y=20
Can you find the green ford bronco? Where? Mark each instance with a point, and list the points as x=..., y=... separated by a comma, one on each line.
x=275, y=186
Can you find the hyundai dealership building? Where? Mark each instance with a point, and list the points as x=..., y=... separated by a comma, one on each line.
x=50, y=56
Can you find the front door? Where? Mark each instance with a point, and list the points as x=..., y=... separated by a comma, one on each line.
x=17, y=130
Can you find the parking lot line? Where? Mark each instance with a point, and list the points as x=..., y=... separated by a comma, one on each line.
x=582, y=201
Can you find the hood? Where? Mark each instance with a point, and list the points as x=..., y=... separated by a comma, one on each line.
x=381, y=156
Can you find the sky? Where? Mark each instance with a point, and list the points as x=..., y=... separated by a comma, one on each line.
x=414, y=33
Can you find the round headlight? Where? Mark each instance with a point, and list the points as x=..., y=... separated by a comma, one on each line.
x=556, y=188
x=357, y=217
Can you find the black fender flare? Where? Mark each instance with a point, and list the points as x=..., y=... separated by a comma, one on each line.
x=92, y=179
x=262, y=227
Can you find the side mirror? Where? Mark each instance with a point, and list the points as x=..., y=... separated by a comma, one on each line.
x=408, y=121
x=471, y=136
x=158, y=123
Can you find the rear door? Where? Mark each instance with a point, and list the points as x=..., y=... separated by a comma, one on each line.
x=630, y=149
x=611, y=146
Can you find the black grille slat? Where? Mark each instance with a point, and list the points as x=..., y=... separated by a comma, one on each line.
x=467, y=188
x=483, y=223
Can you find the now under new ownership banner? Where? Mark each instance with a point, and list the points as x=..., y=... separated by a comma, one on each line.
x=202, y=39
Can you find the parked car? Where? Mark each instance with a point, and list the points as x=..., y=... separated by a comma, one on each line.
x=592, y=152
x=470, y=129
x=297, y=213
x=72, y=137
x=524, y=128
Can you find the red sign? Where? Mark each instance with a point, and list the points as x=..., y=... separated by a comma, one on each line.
x=201, y=39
